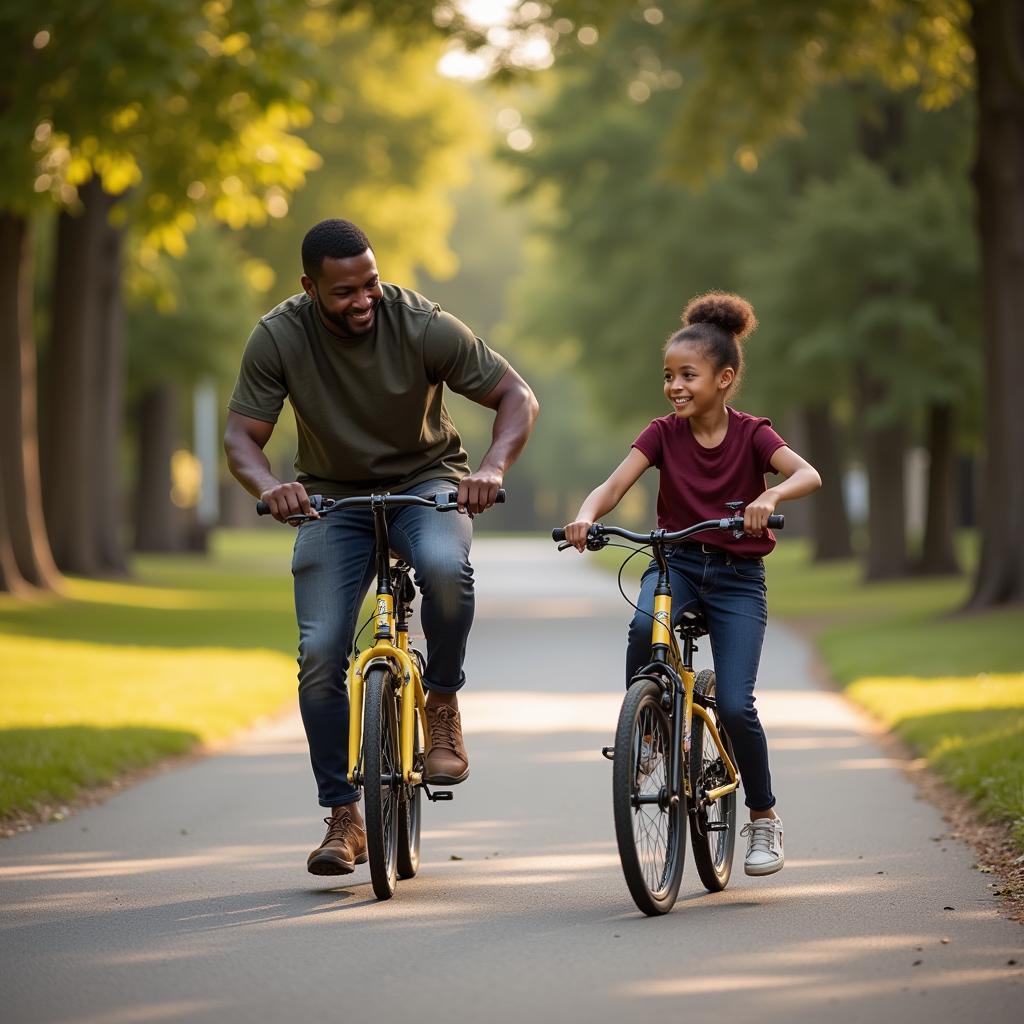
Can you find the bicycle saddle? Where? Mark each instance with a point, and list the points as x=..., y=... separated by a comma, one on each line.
x=693, y=624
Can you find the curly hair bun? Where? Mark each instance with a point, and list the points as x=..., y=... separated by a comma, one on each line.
x=729, y=312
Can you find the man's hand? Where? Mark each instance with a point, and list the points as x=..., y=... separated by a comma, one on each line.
x=479, y=490
x=289, y=500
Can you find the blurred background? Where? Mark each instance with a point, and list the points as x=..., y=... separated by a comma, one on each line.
x=562, y=176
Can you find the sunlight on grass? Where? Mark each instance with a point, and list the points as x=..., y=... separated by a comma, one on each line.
x=177, y=687
x=78, y=714
x=970, y=728
x=122, y=673
x=133, y=595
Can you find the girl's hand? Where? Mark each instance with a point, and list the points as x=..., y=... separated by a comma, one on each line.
x=576, y=533
x=755, y=515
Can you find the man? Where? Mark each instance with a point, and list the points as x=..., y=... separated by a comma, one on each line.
x=364, y=365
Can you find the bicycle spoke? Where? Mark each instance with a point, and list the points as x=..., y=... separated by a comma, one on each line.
x=650, y=820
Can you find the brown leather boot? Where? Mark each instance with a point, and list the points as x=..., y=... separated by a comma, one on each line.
x=446, y=761
x=343, y=847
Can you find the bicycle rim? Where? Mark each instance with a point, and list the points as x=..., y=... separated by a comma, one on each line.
x=382, y=784
x=713, y=831
x=649, y=829
x=409, y=816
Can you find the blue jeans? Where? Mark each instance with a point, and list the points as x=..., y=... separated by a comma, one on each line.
x=333, y=566
x=733, y=596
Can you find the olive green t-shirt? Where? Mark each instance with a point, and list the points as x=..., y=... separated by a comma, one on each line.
x=369, y=410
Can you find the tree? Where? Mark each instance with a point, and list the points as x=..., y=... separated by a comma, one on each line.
x=25, y=557
x=758, y=71
x=87, y=97
x=395, y=140
x=184, y=322
x=863, y=295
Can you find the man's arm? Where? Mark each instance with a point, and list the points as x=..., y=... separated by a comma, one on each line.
x=244, y=441
x=516, y=411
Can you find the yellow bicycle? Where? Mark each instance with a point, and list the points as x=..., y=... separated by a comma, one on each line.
x=672, y=759
x=387, y=702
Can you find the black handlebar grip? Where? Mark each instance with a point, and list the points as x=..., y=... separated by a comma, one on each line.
x=262, y=508
x=453, y=497
x=776, y=522
x=558, y=533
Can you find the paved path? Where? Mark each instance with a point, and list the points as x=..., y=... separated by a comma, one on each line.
x=186, y=898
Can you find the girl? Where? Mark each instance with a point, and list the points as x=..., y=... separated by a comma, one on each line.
x=709, y=454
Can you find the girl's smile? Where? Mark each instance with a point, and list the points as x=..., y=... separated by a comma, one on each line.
x=692, y=386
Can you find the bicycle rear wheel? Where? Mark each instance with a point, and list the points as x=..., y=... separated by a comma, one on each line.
x=382, y=780
x=649, y=827
x=713, y=827
x=409, y=815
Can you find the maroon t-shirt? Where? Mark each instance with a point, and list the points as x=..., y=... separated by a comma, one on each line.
x=696, y=482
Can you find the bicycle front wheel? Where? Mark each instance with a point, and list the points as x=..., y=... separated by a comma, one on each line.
x=382, y=779
x=649, y=826
x=713, y=828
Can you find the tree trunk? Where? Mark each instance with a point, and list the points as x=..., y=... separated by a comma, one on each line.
x=159, y=526
x=72, y=408
x=881, y=137
x=884, y=449
x=109, y=378
x=830, y=525
x=24, y=529
x=11, y=580
x=998, y=30
x=938, y=552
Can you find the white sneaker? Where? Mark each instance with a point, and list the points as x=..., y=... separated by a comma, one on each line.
x=765, y=854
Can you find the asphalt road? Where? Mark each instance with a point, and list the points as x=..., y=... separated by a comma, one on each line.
x=185, y=898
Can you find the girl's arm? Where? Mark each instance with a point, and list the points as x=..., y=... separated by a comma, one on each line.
x=604, y=498
x=801, y=478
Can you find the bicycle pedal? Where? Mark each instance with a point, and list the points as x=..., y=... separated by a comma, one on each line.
x=716, y=826
x=438, y=794
x=608, y=752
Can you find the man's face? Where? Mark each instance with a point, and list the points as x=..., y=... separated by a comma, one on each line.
x=347, y=293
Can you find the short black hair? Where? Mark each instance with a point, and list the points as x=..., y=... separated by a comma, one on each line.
x=331, y=239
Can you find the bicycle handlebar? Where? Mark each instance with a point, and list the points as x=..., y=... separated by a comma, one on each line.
x=443, y=501
x=597, y=532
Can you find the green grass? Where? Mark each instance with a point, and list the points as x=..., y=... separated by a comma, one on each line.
x=950, y=684
x=120, y=674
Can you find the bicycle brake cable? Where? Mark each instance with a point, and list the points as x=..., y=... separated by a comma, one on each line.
x=625, y=562
x=360, y=631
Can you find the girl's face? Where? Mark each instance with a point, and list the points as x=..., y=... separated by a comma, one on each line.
x=691, y=384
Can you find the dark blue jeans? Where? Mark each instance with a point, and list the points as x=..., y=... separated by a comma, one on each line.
x=733, y=596
x=333, y=566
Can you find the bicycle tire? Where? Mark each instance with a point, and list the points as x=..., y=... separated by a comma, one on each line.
x=713, y=848
x=381, y=768
x=651, y=837
x=409, y=816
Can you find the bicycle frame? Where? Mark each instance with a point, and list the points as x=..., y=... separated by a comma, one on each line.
x=391, y=646
x=665, y=654
x=391, y=634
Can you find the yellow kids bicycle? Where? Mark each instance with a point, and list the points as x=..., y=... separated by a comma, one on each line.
x=672, y=759
x=387, y=703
